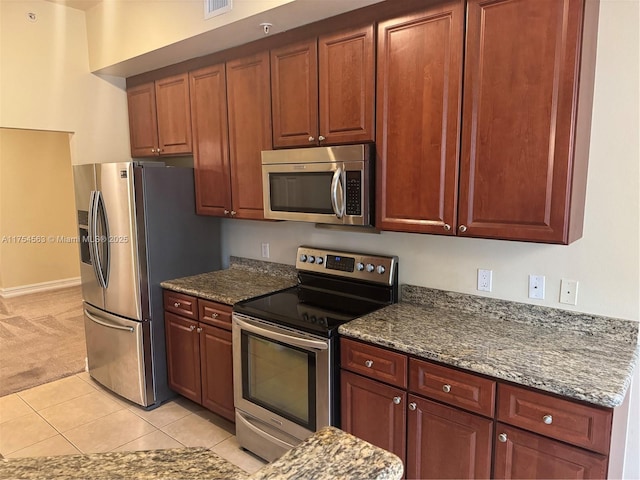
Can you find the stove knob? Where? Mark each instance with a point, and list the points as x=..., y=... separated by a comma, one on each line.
x=319, y=260
x=303, y=258
x=380, y=269
x=311, y=259
x=370, y=267
x=313, y=319
x=359, y=266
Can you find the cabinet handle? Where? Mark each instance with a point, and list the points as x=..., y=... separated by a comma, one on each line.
x=368, y=363
x=321, y=138
x=311, y=139
x=397, y=400
x=233, y=212
x=412, y=406
x=502, y=437
x=446, y=388
x=192, y=327
x=177, y=304
x=447, y=227
x=153, y=150
x=214, y=315
x=199, y=329
x=159, y=150
x=547, y=419
x=462, y=228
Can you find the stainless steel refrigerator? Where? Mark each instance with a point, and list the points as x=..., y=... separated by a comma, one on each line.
x=137, y=227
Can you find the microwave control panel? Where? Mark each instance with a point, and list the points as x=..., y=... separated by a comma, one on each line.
x=354, y=193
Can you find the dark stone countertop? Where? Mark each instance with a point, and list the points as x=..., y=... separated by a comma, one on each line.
x=580, y=356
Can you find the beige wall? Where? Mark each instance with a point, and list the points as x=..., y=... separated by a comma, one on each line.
x=37, y=202
x=46, y=83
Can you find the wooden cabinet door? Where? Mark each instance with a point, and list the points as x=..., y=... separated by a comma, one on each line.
x=520, y=94
x=249, y=102
x=294, y=92
x=183, y=356
x=210, y=140
x=143, y=127
x=519, y=454
x=369, y=412
x=418, y=119
x=174, y=115
x=217, y=371
x=346, y=86
x=444, y=442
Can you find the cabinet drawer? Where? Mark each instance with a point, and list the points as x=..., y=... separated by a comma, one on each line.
x=456, y=388
x=216, y=314
x=374, y=362
x=571, y=422
x=181, y=304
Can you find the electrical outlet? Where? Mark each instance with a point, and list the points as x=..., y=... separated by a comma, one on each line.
x=485, y=280
x=536, y=286
x=569, y=291
x=265, y=250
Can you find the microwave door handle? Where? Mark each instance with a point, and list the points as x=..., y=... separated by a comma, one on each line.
x=336, y=184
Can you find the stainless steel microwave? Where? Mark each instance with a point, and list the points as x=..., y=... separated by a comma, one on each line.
x=321, y=184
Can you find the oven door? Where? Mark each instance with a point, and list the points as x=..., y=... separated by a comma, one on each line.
x=331, y=192
x=281, y=379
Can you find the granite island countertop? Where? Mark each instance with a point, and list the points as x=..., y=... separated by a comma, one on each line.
x=328, y=454
x=245, y=278
x=580, y=356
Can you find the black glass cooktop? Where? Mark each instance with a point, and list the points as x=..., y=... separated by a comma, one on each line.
x=309, y=310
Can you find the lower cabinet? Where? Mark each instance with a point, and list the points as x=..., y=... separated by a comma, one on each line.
x=520, y=454
x=445, y=442
x=200, y=357
x=374, y=412
x=448, y=423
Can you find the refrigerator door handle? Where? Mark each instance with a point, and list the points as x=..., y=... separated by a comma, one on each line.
x=93, y=249
x=107, y=251
x=105, y=324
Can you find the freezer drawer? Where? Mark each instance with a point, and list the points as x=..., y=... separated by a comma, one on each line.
x=119, y=354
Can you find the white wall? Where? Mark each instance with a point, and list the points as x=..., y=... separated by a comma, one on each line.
x=606, y=260
x=45, y=82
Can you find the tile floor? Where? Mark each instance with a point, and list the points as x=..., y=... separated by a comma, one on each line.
x=76, y=415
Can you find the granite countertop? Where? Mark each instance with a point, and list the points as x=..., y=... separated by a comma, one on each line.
x=192, y=463
x=245, y=278
x=328, y=454
x=580, y=356
x=333, y=454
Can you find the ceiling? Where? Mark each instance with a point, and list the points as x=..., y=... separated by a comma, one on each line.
x=79, y=4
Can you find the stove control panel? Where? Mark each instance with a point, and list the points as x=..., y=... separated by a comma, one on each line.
x=361, y=266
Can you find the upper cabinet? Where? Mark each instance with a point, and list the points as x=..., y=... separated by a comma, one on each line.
x=231, y=115
x=323, y=90
x=249, y=102
x=525, y=125
x=160, y=117
x=418, y=119
x=210, y=140
x=528, y=89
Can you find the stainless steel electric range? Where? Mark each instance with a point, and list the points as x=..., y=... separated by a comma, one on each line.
x=285, y=347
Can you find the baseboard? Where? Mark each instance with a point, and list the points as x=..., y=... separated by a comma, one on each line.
x=39, y=287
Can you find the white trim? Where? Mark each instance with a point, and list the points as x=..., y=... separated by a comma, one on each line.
x=39, y=287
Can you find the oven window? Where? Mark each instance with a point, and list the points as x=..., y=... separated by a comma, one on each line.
x=306, y=192
x=280, y=378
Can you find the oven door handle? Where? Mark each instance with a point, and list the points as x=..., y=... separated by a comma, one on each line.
x=264, y=330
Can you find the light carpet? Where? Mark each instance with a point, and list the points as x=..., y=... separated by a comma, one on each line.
x=41, y=338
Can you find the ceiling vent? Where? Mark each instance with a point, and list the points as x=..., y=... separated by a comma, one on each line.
x=213, y=8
